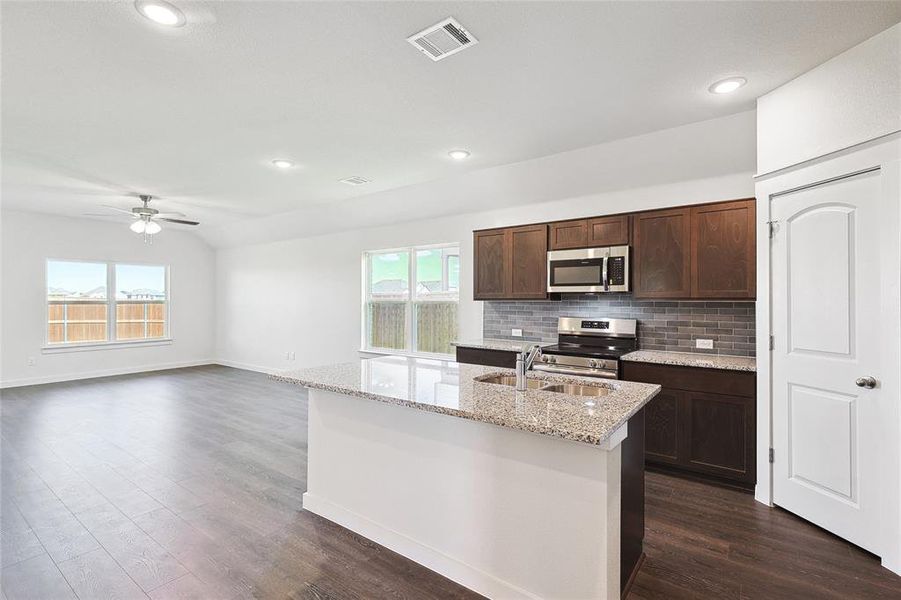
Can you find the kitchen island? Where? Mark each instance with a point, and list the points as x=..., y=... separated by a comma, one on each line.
x=513, y=494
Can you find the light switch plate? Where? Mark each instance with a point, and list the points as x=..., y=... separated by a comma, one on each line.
x=705, y=344
x=516, y=332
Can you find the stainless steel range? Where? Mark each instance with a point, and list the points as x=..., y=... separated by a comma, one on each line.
x=589, y=347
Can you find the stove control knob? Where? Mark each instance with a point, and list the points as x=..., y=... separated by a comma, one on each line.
x=593, y=363
x=544, y=358
x=553, y=359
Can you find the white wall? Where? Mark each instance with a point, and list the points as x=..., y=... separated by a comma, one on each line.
x=304, y=295
x=853, y=98
x=29, y=239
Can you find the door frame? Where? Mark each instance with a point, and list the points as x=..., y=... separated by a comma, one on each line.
x=883, y=154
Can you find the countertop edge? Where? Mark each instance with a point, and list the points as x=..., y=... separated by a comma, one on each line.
x=495, y=344
x=687, y=359
x=450, y=412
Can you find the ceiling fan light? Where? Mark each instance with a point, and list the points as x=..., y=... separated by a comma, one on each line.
x=138, y=226
x=152, y=227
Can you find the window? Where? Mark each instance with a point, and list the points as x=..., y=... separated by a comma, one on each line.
x=82, y=310
x=421, y=317
x=140, y=302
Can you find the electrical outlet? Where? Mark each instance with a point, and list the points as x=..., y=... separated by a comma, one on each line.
x=291, y=356
x=30, y=361
x=516, y=332
x=705, y=344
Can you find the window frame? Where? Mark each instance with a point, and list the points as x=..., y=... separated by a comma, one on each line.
x=410, y=322
x=111, y=341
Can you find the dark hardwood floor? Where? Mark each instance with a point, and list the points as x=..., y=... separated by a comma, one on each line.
x=187, y=484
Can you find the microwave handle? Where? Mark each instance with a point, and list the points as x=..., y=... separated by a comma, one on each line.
x=604, y=274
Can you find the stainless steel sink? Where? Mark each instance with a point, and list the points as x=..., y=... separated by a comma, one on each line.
x=532, y=384
x=575, y=389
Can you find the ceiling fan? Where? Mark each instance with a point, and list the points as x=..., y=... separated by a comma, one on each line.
x=145, y=219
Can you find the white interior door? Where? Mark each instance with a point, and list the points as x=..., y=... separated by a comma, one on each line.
x=828, y=424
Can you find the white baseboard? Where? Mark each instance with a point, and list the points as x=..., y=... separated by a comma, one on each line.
x=246, y=366
x=455, y=570
x=102, y=373
x=892, y=563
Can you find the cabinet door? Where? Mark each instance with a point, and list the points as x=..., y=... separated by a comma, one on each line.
x=608, y=231
x=723, y=250
x=719, y=436
x=662, y=264
x=528, y=251
x=662, y=429
x=569, y=234
x=491, y=269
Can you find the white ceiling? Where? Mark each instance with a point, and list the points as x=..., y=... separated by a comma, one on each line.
x=98, y=102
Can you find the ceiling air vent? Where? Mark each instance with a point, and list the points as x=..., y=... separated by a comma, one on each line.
x=355, y=180
x=441, y=40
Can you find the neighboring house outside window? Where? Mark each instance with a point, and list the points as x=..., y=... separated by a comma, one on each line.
x=80, y=309
x=419, y=318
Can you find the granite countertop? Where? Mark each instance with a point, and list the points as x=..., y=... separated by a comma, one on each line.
x=498, y=344
x=450, y=388
x=691, y=359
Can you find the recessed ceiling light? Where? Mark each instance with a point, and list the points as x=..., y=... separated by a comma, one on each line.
x=458, y=154
x=160, y=11
x=727, y=86
x=281, y=163
x=355, y=180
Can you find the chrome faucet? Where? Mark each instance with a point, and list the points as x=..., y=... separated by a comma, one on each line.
x=524, y=361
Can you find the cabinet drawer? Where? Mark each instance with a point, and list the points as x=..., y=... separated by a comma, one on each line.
x=693, y=379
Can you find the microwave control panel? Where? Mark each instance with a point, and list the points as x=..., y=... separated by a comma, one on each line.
x=616, y=270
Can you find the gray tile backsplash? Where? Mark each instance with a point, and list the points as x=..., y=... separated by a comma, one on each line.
x=669, y=325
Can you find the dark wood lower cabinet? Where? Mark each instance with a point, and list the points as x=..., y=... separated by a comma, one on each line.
x=662, y=423
x=702, y=423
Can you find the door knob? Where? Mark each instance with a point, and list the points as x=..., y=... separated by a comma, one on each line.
x=866, y=382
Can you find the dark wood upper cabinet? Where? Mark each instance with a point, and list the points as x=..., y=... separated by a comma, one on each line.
x=510, y=263
x=661, y=266
x=609, y=231
x=704, y=251
x=528, y=262
x=491, y=264
x=590, y=233
x=723, y=250
x=569, y=234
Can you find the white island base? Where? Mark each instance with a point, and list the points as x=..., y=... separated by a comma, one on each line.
x=506, y=513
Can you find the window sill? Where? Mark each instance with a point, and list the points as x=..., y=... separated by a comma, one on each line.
x=90, y=346
x=383, y=352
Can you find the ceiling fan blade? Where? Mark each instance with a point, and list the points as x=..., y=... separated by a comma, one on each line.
x=169, y=215
x=116, y=208
x=107, y=215
x=179, y=221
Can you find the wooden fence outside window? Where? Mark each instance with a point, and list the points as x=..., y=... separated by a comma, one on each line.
x=74, y=321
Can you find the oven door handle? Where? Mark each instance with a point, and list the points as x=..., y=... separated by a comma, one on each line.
x=604, y=274
x=602, y=373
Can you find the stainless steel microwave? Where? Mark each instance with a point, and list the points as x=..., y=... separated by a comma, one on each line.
x=589, y=270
